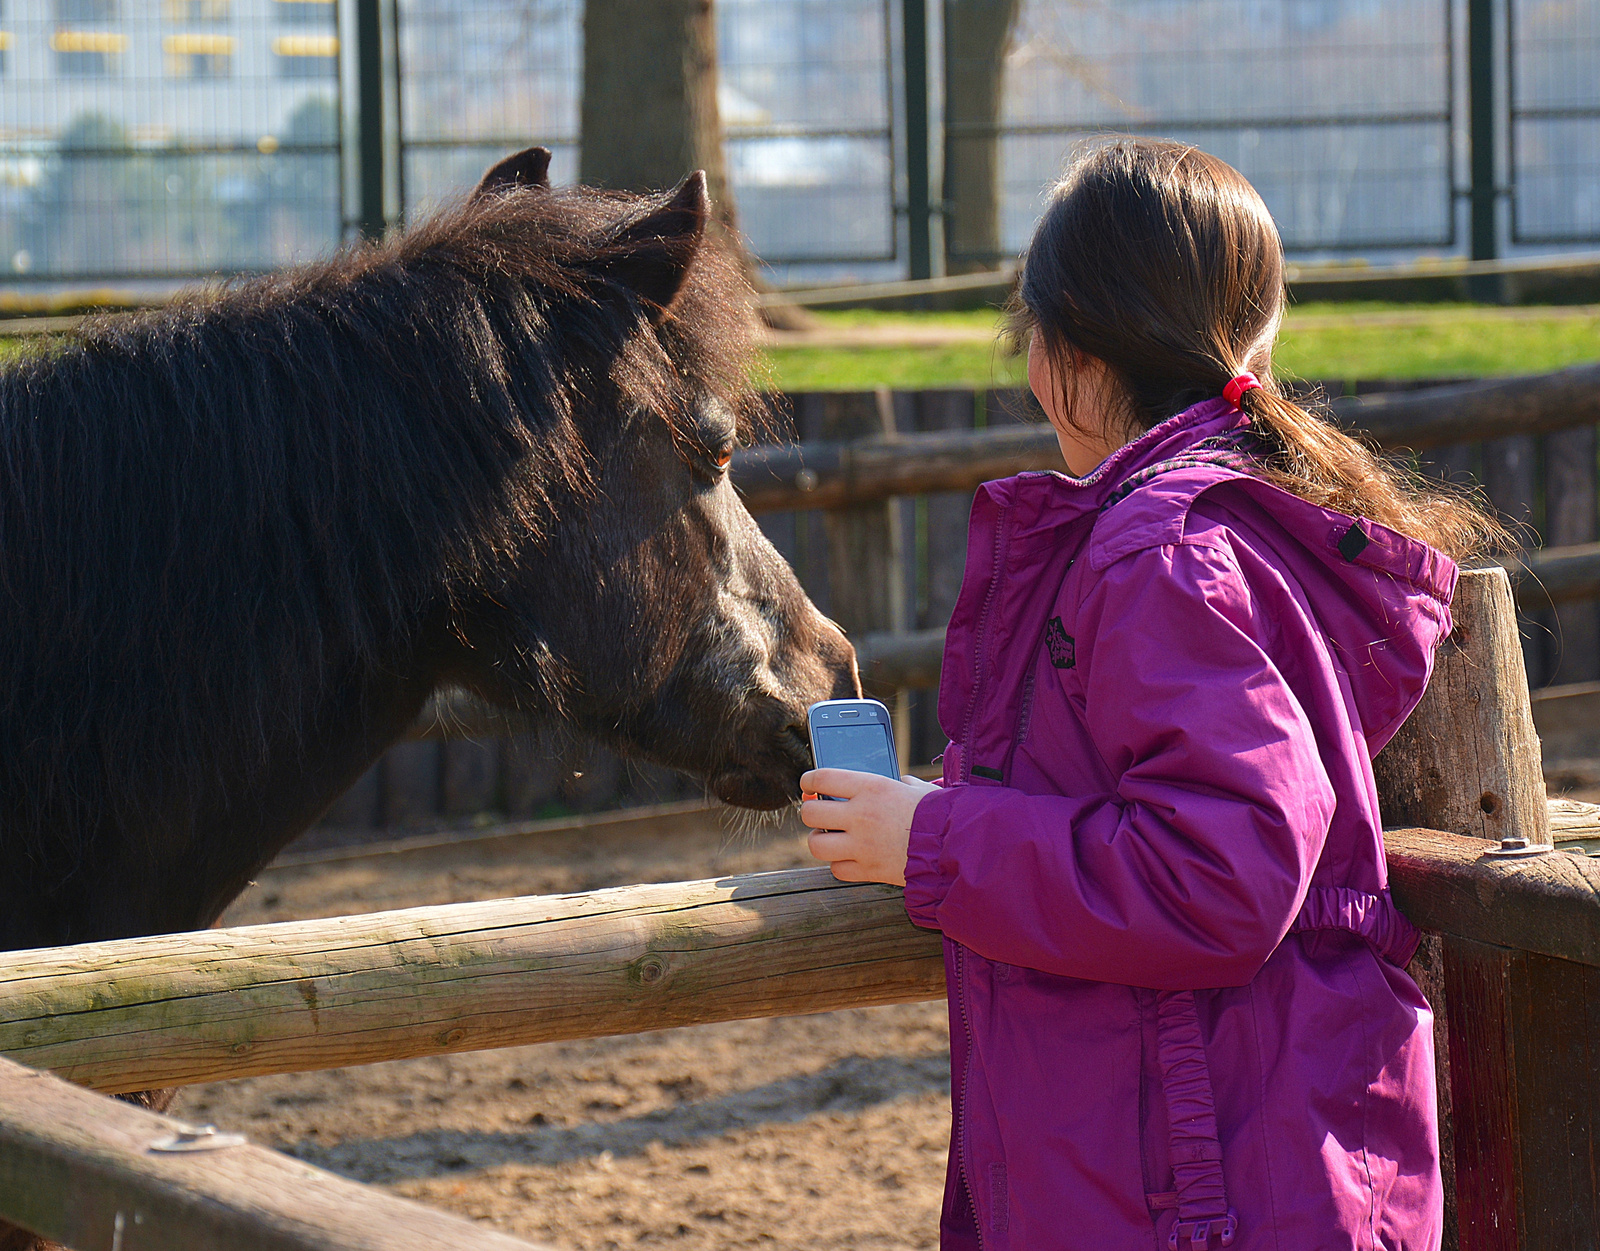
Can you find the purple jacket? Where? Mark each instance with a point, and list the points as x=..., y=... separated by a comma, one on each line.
x=1179, y=1017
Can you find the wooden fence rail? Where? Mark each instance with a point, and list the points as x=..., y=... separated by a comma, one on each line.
x=78, y=1168
x=177, y=1009
x=834, y=474
x=172, y=1010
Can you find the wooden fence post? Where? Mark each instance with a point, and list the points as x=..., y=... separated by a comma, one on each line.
x=943, y=537
x=1515, y=1030
x=866, y=546
x=1511, y=481
x=1467, y=760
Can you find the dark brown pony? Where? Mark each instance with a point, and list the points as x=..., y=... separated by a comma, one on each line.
x=243, y=539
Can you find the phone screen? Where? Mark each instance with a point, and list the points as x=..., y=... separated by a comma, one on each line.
x=864, y=748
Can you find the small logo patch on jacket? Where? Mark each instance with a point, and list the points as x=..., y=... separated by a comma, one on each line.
x=1063, y=651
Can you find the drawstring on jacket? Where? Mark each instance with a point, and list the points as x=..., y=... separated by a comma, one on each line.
x=1201, y=1196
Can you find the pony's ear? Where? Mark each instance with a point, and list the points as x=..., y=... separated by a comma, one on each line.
x=651, y=256
x=528, y=168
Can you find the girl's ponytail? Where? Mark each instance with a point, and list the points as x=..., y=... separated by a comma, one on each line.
x=1163, y=262
x=1312, y=458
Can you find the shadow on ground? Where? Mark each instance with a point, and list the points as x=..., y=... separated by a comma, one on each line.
x=848, y=1085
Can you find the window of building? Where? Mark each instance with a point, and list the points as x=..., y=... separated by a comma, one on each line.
x=186, y=11
x=307, y=56
x=86, y=10
x=198, y=56
x=5, y=49
x=304, y=12
x=87, y=53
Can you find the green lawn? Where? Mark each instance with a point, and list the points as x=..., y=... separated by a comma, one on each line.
x=1321, y=341
x=1326, y=342
x=1442, y=342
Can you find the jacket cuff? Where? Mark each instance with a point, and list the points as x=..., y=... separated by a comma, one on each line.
x=926, y=881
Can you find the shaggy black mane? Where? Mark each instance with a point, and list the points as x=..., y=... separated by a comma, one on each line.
x=278, y=478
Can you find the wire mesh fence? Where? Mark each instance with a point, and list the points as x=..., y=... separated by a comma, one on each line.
x=481, y=78
x=169, y=138
x=806, y=103
x=1339, y=111
x=804, y=99
x=176, y=137
x=1555, y=108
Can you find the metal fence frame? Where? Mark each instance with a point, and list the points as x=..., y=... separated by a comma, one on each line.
x=372, y=148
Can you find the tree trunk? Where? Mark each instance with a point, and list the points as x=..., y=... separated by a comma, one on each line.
x=649, y=114
x=977, y=35
x=650, y=97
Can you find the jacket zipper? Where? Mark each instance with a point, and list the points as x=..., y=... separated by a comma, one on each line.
x=980, y=673
x=980, y=667
x=964, y=1159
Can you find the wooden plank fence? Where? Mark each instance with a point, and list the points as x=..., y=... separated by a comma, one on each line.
x=882, y=481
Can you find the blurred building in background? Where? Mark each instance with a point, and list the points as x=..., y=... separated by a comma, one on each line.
x=156, y=139
x=149, y=137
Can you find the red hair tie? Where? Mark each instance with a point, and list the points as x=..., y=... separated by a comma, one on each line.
x=1234, y=391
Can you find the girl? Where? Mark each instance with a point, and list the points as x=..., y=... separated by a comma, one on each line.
x=1179, y=1011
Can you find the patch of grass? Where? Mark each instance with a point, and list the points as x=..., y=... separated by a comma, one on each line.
x=900, y=368
x=1464, y=341
x=1320, y=341
x=1326, y=342
x=850, y=318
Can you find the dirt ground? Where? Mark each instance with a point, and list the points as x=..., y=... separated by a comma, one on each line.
x=801, y=1132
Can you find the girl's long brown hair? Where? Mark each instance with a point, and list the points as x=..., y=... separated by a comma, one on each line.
x=1163, y=262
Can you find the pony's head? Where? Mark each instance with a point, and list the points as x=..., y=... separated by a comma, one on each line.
x=634, y=597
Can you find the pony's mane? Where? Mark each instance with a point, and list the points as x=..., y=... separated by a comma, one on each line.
x=281, y=477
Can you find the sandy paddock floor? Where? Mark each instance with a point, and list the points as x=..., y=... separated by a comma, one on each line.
x=800, y=1132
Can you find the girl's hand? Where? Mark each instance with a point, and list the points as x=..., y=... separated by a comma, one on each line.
x=863, y=833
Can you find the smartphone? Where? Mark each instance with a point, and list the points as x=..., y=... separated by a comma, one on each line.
x=853, y=734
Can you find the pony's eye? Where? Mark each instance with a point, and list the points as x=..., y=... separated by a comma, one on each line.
x=723, y=458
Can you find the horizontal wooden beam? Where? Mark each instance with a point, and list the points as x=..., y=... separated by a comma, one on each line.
x=171, y=1010
x=831, y=475
x=862, y=471
x=1548, y=904
x=1469, y=411
x=1570, y=709
x=1556, y=575
x=176, y=1009
x=906, y=661
x=78, y=1168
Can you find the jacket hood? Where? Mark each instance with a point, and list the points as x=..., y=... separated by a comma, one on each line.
x=1381, y=598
